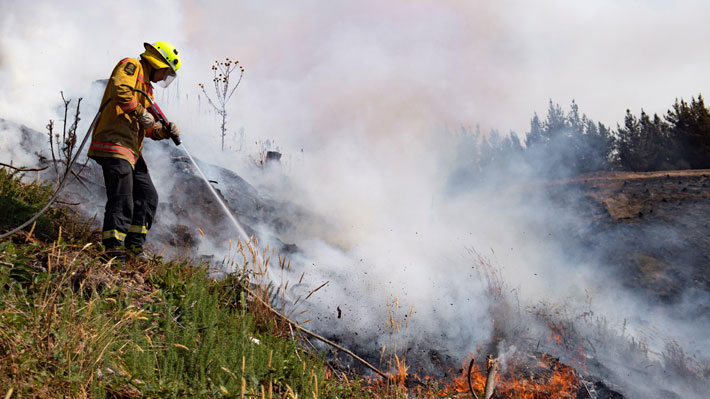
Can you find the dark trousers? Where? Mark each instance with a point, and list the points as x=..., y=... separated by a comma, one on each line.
x=131, y=203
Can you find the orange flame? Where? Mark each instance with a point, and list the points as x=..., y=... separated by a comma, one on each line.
x=398, y=376
x=561, y=383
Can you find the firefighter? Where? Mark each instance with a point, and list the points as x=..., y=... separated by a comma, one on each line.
x=117, y=142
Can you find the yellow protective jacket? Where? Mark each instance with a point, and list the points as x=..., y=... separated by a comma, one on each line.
x=117, y=133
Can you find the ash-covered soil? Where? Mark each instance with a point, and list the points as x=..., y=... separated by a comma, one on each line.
x=652, y=228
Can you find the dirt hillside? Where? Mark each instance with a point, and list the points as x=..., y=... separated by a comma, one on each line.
x=653, y=228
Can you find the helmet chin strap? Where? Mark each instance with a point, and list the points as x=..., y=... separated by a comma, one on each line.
x=151, y=70
x=151, y=75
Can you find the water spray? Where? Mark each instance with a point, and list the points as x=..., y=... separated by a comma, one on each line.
x=163, y=120
x=227, y=211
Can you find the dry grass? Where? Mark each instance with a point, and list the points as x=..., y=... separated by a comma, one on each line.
x=55, y=331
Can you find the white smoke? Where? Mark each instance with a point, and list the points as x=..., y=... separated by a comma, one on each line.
x=352, y=94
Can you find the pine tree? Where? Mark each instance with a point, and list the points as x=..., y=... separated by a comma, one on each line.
x=568, y=144
x=627, y=142
x=690, y=126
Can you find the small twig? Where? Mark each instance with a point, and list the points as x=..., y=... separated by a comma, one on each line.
x=67, y=203
x=584, y=384
x=7, y=264
x=50, y=133
x=80, y=180
x=175, y=319
x=23, y=169
x=470, y=385
x=66, y=112
x=293, y=336
x=237, y=85
x=83, y=166
x=38, y=268
x=336, y=371
x=71, y=143
x=307, y=341
x=314, y=291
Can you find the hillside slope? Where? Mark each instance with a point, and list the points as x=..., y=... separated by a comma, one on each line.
x=652, y=228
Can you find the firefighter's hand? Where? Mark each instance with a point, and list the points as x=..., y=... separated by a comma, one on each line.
x=173, y=129
x=146, y=120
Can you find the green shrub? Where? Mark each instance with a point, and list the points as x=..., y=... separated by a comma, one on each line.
x=20, y=201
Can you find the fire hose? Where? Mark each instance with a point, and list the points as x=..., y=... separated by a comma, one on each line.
x=153, y=109
x=314, y=335
x=67, y=172
x=156, y=112
x=160, y=117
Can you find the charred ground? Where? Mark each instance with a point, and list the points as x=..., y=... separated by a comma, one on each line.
x=651, y=228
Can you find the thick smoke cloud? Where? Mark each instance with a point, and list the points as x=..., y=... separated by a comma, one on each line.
x=334, y=69
x=355, y=95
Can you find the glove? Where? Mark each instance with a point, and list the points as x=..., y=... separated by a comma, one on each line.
x=146, y=120
x=173, y=130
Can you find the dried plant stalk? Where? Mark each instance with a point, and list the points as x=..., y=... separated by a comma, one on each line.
x=491, y=379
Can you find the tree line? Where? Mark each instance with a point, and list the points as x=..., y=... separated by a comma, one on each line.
x=569, y=143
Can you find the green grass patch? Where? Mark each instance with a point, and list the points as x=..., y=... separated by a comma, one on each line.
x=83, y=329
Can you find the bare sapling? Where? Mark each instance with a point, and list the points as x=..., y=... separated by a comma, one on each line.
x=222, y=71
x=62, y=145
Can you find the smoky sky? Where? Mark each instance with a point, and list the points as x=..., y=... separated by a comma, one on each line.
x=319, y=70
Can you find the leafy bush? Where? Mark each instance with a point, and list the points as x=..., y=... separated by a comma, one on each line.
x=19, y=202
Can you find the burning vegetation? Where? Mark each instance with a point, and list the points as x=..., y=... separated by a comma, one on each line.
x=528, y=377
x=541, y=351
x=535, y=350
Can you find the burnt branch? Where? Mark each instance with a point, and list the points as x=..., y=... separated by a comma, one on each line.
x=70, y=136
x=83, y=167
x=63, y=146
x=50, y=132
x=66, y=112
x=470, y=384
x=491, y=378
x=23, y=169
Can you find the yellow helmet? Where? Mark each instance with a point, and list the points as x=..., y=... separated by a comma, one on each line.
x=162, y=55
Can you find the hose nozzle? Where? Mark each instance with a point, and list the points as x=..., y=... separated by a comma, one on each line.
x=156, y=112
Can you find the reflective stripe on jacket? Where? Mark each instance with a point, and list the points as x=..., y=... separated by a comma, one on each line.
x=117, y=133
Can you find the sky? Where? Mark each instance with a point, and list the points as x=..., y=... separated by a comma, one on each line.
x=358, y=96
x=378, y=70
